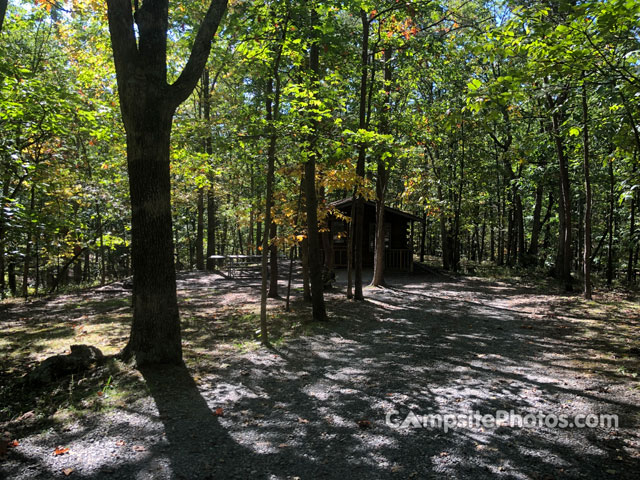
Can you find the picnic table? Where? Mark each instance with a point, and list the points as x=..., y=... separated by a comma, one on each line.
x=237, y=265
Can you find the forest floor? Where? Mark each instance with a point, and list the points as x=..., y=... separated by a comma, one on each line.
x=314, y=405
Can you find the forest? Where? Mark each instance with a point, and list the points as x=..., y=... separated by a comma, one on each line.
x=146, y=144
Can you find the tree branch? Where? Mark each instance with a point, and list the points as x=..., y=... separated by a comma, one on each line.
x=190, y=75
x=3, y=9
x=123, y=38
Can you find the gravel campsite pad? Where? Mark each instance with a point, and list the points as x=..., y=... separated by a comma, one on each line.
x=314, y=405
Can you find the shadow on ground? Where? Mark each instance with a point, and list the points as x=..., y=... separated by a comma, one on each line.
x=315, y=406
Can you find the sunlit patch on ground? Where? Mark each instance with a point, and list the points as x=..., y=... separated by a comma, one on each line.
x=314, y=405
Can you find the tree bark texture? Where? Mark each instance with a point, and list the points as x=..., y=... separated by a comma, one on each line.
x=148, y=103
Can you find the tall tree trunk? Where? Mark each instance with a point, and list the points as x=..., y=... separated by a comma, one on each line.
x=200, y=231
x=27, y=253
x=11, y=273
x=610, y=268
x=632, y=229
x=211, y=230
x=272, y=108
x=358, y=207
x=536, y=225
x=444, y=235
x=500, y=213
x=86, y=272
x=37, y=266
x=458, y=208
x=423, y=235
x=565, y=255
x=208, y=146
x=3, y=208
x=103, y=268
x=306, y=283
x=273, y=262
x=586, y=262
x=26, y=267
x=252, y=214
x=315, y=268
x=327, y=243
x=77, y=266
x=155, y=333
x=492, y=243
x=147, y=102
x=264, y=335
x=381, y=182
x=241, y=250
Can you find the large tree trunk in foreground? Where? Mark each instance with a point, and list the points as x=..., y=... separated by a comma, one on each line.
x=148, y=103
x=155, y=332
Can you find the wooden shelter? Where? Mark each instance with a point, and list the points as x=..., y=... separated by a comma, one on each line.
x=398, y=226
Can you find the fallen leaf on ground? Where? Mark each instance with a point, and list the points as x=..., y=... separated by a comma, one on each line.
x=67, y=471
x=100, y=393
x=219, y=412
x=302, y=420
x=364, y=424
x=60, y=451
x=138, y=448
x=120, y=443
x=13, y=444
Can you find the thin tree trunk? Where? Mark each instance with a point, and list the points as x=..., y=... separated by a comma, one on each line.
x=610, y=225
x=3, y=207
x=103, y=269
x=632, y=228
x=27, y=253
x=351, y=245
x=586, y=259
x=272, y=107
x=306, y=284
x=315, y=269
x=565, y=256
x=536, y=225
x=273, y=262
x=11, y=273
x=200, y=231
x=358, y=207
x=291, y=251
x=211, y=230
x=264, y=334
x=423, y=235
x=381, y=183
x=458, y=210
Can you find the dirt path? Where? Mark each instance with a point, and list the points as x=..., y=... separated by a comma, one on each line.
x=315, y=405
